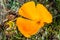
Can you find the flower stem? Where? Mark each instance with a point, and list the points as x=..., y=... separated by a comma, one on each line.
x=27, y=38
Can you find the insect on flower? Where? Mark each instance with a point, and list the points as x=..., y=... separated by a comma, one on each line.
x=38, y=14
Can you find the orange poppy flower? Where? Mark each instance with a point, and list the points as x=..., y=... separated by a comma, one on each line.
x=39, y=15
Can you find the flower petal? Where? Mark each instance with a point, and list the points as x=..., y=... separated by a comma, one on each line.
x=21, y=28
x=44, y=13
x=28, y=27
x=28, y=10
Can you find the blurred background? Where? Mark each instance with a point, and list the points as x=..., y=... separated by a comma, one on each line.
x=8, y=13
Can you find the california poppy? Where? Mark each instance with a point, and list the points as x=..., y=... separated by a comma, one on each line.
x=39, y=15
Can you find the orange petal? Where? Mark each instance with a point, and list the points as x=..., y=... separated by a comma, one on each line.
x=44, y=13
x=28, y=10
x=28, y=27
x=20, y=27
